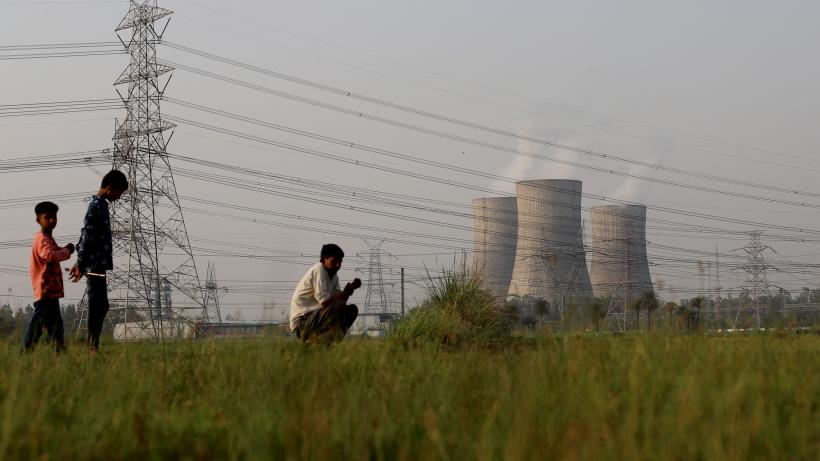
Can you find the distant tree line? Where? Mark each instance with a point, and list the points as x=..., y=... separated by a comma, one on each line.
x=13, y=322
x=647, y=311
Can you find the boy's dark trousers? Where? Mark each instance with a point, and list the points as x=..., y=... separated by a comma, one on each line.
x=97, y=295
x=46, y=316
x=337, y=315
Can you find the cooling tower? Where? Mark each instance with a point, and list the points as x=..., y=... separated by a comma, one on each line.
x=496, y=226
x=549, y=262
x=618, y=262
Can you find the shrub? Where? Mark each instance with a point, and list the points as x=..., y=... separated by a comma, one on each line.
x=457, y=312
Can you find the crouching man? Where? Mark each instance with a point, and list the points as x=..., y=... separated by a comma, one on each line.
x=319, y=311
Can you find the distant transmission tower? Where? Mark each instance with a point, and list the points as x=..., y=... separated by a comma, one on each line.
x=620, y=299
x=756, y=279
x=212, y=293
x=151, y=244
x=566, y=282
x=376, y=297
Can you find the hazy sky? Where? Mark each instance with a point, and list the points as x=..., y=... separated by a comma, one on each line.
x=727, y=88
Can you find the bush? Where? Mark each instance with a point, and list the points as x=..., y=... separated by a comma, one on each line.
x=457, y=312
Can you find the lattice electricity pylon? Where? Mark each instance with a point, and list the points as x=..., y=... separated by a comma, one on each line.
x=756, y=279
x=617, y=317
x=561, y=283
x=376, y=298
x=151, y=245
x=212, y=293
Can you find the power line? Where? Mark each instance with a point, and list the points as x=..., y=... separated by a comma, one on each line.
x=478, y=143
x=323, y=187
x=58, y=107
x=62, y=2
x=484, y=87
x=50, y=162
x=63, y=54
x=60, y=45
x=265, y=189
x=451, y=168
x=455, y=121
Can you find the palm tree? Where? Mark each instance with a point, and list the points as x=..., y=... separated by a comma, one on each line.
x=542, y=308
x=648, y=301
x=598, y=311
x=696, y=304
x=636, y=304
x=670, y=307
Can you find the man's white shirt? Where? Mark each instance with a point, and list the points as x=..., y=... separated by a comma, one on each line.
x=316, y=287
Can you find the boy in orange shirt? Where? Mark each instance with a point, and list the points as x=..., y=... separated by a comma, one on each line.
x=47, y=279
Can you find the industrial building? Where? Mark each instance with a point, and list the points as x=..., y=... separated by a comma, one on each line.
x=496, y=228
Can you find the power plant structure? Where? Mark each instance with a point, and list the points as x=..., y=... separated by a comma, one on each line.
x=619, y=266
x=531, y=247
x=618, y=261
x=496, y=229
x=550, y=258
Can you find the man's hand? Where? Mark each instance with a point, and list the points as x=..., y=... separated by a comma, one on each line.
x=351, y=287
x=70, y=248
x=74, y=274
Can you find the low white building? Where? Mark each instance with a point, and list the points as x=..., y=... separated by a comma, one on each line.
x=146, y=330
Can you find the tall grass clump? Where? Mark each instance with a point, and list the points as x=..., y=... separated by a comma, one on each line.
x=457, y=311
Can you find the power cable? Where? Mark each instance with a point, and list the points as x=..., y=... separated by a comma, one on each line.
x=451, y=168
x=479, y=143
x=455, y=121
x=481, y=86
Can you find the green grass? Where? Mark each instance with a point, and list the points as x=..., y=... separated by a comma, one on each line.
x=563, y=397
x=458, y=312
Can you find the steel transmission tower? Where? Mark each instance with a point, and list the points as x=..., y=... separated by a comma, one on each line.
x=756, y=279
x=212, y=293
x=617, y=311
x=151, y=244
x=563, y=283
x=376, y=297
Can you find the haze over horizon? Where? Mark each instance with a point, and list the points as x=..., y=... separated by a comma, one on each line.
x=723, y=89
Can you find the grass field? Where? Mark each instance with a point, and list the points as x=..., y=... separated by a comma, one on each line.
x=569, y=397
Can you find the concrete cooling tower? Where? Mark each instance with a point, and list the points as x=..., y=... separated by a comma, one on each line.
x=496, y=226
x=550, y=262
x=618, y=263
